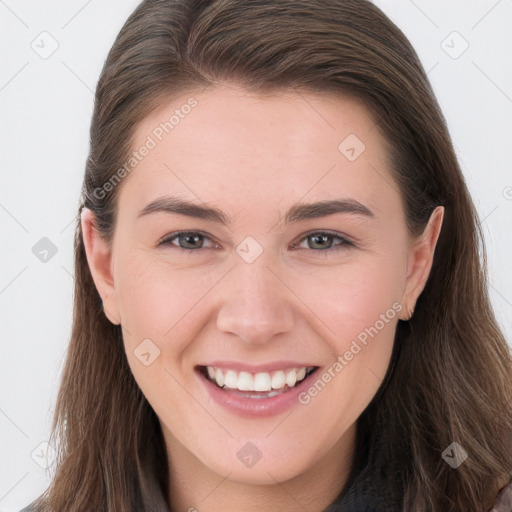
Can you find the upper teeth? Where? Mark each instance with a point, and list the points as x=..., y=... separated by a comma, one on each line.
x=262, y=381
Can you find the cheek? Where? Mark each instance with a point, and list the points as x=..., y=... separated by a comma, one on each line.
x=161, y=303
x=362, y=315
x=156, y=300
x=353, y=296
x=359, y=303
x=157, y=303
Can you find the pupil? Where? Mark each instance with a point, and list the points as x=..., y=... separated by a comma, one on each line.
x=189, y=239
x=320, y=237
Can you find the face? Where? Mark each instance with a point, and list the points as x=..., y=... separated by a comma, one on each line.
x=262, y=288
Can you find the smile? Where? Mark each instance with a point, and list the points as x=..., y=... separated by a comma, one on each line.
x=269, y=383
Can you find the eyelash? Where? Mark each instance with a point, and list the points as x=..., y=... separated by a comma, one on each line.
x=345, y=243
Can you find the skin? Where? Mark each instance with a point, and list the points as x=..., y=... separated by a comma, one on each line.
x=290, y=302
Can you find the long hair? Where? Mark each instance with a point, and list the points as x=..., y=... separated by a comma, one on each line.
x=450, y=375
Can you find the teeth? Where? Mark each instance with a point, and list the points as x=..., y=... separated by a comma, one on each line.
x=278, y=380
x=245, y=382
x=262, y=381
x=291, y=379
x=219, y=377
x=231, y=380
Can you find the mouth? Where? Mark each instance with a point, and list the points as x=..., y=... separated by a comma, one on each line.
x=259, y=385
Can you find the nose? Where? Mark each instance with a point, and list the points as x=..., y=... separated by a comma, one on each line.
x=256, y=303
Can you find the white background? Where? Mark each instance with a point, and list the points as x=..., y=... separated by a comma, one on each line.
x=46, y=106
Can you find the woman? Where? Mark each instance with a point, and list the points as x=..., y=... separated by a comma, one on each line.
x=279, y=298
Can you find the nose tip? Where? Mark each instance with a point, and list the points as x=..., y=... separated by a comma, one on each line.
x=255, y=305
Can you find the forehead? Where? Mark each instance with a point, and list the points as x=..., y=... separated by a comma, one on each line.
x=231, y=147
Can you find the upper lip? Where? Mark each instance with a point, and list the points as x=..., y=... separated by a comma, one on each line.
x=256, y=368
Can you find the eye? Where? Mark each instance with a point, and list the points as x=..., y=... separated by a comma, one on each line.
x=322, y=241
x=190, y=241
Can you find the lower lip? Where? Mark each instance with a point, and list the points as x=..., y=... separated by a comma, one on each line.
x=256, y=407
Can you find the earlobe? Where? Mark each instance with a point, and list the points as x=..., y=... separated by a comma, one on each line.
x=419, y=262
x=99, y=259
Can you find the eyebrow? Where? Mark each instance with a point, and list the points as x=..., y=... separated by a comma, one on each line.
x=297, y=213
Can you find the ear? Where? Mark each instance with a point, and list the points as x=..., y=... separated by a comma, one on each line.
x=419, y=262
x=99, y=258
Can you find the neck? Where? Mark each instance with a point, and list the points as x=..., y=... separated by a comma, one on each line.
x=195, y=487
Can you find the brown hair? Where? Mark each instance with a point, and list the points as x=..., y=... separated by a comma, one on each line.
x=450, y=376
